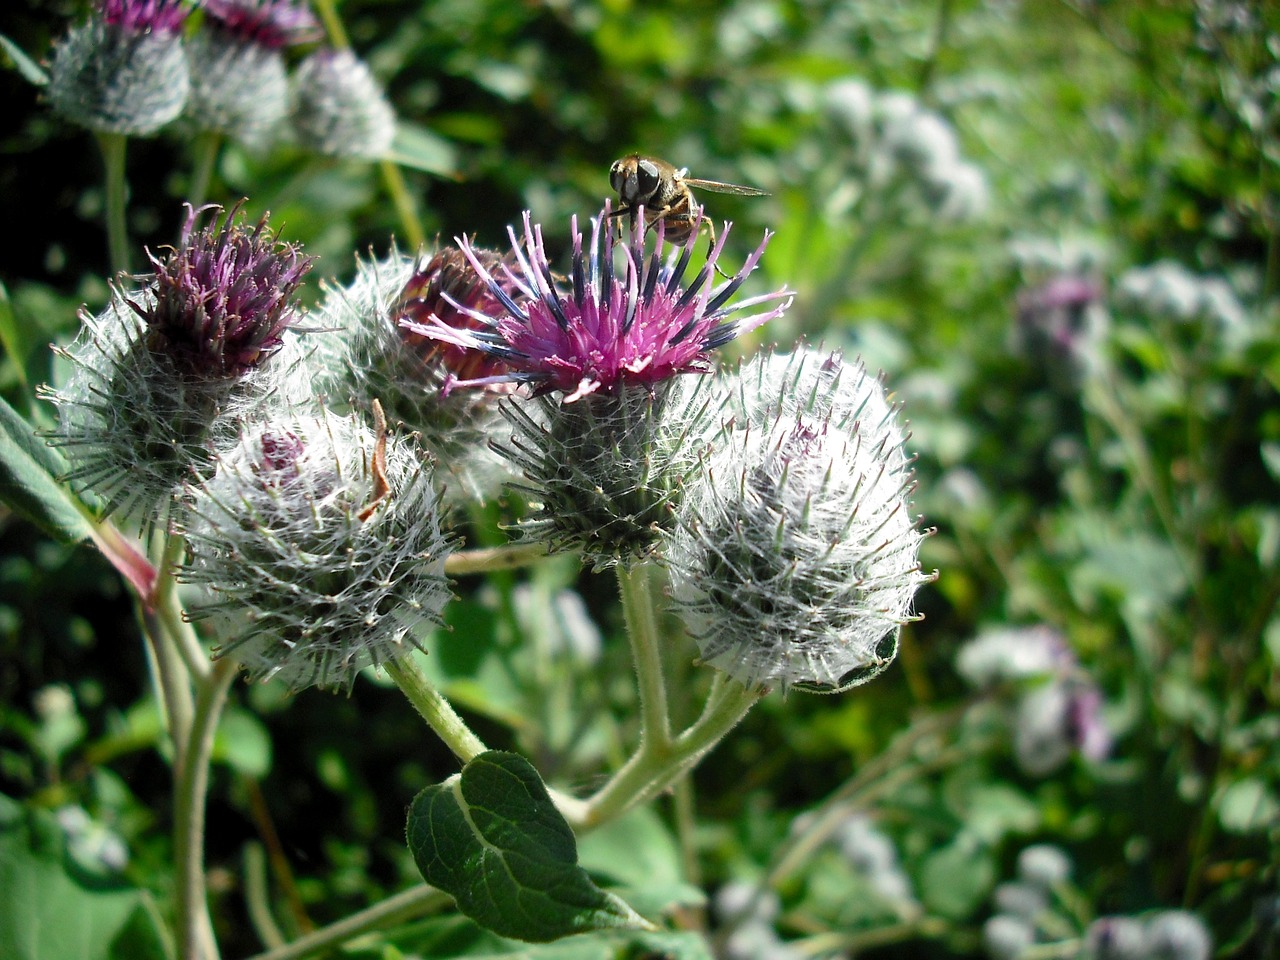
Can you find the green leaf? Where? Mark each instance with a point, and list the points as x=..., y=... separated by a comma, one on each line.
x=29, y=69
x=28, y=467
x=420, y=149
x=638, y=856
x=12, y=336
x=46, y=913
x=955, y=880
x=243, y=743
x=492, y=838
x=1247, y=806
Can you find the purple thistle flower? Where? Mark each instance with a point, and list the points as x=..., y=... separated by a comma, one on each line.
x=223, y=297
x=605, y=331
x=144, y=16
x=268, y=23
x=439, y=292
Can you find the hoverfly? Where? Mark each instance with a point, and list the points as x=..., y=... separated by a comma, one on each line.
x=664, y=192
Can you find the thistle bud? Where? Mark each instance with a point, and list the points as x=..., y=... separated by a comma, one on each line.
x=160, y=376
x=239, y=84
x=370, y=353
x=124, y=70
x=338, y=109
x=795, y=558
x=319, y=543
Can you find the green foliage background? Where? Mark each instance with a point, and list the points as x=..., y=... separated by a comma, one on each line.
x=1137, y=513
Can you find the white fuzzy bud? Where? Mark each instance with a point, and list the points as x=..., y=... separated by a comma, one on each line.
x=1178, y=935
x=339, y=109
x=1044, y=866
x=112, y=79
x=1013, y=654
x=795, y=560
x=318, y=556
x=1007, y=938
x=134, y=424
x=1116, y=938
x=239, y=89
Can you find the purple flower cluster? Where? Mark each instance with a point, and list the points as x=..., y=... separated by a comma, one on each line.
x=603, y=331
x=224, y=296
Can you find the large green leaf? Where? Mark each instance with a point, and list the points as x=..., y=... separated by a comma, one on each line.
x=48, y=913
x=492, y=838
x=28, y=484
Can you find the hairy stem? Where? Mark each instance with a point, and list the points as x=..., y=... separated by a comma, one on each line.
x=409, y=905
x=489, y=559
x=655, y=767
x=195, y=929
x=113, y=160
x=207, y=146
x=642, y=632
x=406, y=207
x=434, y=708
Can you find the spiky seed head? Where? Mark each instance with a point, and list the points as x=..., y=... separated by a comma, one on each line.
x=795, y=559
x=312, y=569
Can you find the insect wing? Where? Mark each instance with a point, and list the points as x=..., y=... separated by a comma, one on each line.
x=715, y=186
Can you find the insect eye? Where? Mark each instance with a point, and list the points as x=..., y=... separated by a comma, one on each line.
x=616, y=176
x=647, y=177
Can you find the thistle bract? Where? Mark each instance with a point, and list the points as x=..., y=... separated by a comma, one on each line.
x=795, y=560
x=124, y=70
x=603, y=472
x=313, y=567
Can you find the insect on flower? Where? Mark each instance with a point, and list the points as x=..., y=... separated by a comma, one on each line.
x=601, y=328
x=661, y=191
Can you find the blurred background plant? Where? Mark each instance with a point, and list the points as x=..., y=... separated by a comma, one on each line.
x=1055, y=227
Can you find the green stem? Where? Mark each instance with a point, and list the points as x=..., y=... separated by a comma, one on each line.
x=489, y=559
x=173, y=681
x=257, y=898
x=652, y=769
x=332, y=24
x=401, y=908
x=169, y=609
x=207, y=146
x=434, y=708
x=402, y=199
x=195, y=929
x=113, y=159
x=642, y=632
